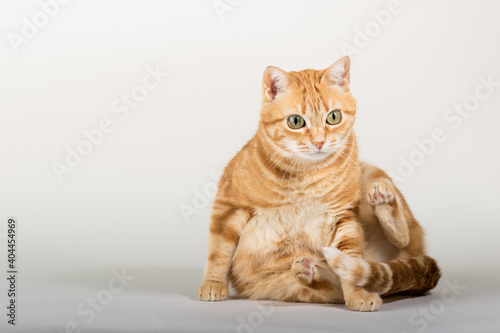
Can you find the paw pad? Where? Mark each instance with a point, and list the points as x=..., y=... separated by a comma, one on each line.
x=379, y=193
x=304, y=269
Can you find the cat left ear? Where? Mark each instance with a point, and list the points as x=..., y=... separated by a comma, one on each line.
x=338, y=74
x=274, y=83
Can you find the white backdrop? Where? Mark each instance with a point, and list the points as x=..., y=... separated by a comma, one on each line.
x=141, y=195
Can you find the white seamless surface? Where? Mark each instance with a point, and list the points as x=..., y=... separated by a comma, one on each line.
x=122, y=205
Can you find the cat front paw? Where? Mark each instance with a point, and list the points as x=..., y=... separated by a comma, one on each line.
x=363, y=301
x=379, y=193
x=213, y=291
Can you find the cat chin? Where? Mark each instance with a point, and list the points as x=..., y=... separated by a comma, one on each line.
x=317, y=156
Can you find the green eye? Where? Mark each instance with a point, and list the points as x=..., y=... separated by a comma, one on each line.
x=295, y=121
x=334, y=117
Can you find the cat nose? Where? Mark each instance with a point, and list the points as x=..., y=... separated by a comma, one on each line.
x=318, y=144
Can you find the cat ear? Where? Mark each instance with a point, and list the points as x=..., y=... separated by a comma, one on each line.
x=275, y=82
x=338, y=73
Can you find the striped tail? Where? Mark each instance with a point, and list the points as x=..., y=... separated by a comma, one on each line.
x=414, y=276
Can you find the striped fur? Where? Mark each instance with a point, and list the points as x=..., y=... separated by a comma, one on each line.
x=291, y=192
x=414, y=275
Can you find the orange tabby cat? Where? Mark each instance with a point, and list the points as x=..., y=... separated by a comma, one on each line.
x=296, y=214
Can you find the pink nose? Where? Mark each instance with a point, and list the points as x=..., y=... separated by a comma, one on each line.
x=318, y=144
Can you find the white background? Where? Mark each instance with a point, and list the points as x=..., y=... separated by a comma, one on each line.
x=122, y=206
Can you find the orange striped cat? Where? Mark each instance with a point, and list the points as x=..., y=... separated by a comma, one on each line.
x=298, y=218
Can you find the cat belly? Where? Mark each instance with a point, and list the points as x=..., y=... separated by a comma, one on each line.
x=274, y=238
x=292, y=228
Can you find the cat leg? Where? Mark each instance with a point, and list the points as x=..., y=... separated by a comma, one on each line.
x=225, y=230
x=387, y=206
x=349, y=240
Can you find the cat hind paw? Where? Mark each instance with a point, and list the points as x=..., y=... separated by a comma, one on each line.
x=304, y=268
x=379, y=193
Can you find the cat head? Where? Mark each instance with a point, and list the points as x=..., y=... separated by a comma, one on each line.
x=308, y=114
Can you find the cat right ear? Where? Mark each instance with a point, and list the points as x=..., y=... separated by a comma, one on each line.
x=338, y=74
x=274, y=83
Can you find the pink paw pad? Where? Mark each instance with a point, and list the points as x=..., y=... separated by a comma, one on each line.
x=379, y=193
x=304, y=267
